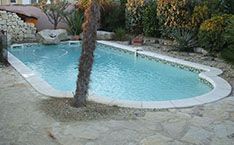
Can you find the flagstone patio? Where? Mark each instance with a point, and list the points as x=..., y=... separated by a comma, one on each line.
x=23, y=122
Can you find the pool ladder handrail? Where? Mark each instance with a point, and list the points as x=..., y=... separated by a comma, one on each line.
x=136, y=51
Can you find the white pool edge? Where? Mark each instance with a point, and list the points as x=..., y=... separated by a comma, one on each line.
x=221, y=88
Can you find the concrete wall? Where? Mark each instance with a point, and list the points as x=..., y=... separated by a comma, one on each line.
x=17, y=29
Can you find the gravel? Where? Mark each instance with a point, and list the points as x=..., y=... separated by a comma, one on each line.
x=61, y=109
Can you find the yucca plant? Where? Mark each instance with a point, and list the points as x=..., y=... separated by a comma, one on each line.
x=185, y=39
x=74, y=20
x=120, y=34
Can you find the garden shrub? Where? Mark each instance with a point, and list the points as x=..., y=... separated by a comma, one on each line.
x=150, y=20
x=228, y=51
x=210, y=34
x=120, y=34
x=134, y=13
x=214, y=7
x=74, y=19
x=199, y=15
x=113, y=17
x=185, y=39
x=188, y=13
x=218, y=7
x=228, y=6
x=174, y=13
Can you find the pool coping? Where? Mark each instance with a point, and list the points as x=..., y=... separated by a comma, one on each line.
x=221, y=88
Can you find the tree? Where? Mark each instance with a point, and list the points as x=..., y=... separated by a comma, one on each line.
x=3, y=48
x=90, y=25
x=54, y=11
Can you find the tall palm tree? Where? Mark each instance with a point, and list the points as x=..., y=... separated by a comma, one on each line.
x=90, y=25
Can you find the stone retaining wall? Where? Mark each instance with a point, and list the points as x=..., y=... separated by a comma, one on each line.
x=17, y=29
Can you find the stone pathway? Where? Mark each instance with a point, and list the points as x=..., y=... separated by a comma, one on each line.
x=22, y=122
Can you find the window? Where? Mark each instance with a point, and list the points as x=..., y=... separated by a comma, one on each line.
x=33, y=1
x=13, y=1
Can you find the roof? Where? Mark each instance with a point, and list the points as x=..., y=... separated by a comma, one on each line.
x=28, y=11
x=32, y=11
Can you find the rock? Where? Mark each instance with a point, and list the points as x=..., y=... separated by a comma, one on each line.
x=2, y=12
x=176, y=128
x=150, y=40
x=158, y=116
x=201, y=121
x=138, y=113
x=75, y=37
x=156, y=140
x=90, y=143
x=197, y=136
x=9, y=39
x=17, y=29
x=104, y=35
x=224, y=130
x=200, y=50
x=2, y=22
x=48, y=36
x=221, y=141
x=4, y=16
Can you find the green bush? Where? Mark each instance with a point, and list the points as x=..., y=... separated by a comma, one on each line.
x=150, y=20
x=134, y=14
x=175, y=14
x=113, y=17
x=218, y=7
x=228, y=52
x=214, y=7
x=120, y=34
x=74, y=20
x=199, y=15
x=185, y=39
x=228, y=6
x=210, y=34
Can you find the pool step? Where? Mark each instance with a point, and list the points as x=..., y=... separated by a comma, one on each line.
x=73, y=42
x=15, y=46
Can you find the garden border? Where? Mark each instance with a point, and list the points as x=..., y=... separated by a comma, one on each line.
x=221, y=88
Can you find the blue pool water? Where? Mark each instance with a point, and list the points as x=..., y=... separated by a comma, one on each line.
x=115, y=74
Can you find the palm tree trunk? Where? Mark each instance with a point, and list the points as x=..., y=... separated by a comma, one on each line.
x=92, y=15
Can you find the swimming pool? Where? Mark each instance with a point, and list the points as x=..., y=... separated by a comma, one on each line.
x=117, y=74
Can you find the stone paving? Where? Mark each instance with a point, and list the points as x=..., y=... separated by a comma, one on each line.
x=22, y=122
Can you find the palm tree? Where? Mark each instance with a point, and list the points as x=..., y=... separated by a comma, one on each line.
x=90, y=25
